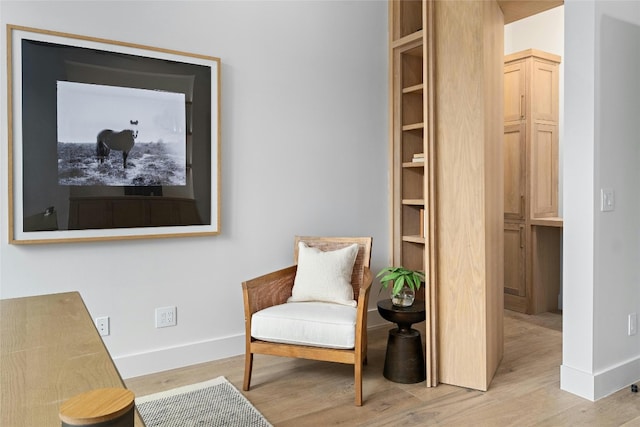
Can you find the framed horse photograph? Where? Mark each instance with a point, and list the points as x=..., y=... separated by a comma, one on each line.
x=110, y=140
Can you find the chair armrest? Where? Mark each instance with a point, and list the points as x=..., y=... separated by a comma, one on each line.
x=267, y=290
x=363, y=298
x=361, y=315
x=367, y=280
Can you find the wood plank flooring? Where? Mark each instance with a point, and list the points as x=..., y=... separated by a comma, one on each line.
x=525, y=391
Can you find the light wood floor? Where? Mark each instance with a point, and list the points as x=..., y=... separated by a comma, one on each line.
x=525, y=391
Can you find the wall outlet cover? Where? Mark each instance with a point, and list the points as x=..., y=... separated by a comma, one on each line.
x=166, y=316
x=102, y=325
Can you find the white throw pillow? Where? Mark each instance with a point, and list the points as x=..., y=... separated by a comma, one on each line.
x=324, y=276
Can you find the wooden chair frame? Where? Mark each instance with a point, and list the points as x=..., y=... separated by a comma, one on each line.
x=274, y=289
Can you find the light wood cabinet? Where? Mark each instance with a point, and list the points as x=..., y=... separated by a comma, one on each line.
x=514, y=90
x=530, y=175
x=446, y=63
x=544, y=170
x=515, y=156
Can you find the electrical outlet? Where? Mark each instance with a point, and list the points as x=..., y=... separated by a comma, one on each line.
x=102, y=324
x=166, y=316
x=633, y=324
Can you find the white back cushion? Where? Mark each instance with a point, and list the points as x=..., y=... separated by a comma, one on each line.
x=324, y=276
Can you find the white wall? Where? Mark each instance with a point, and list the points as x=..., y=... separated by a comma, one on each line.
x=602, y=149
x=304, y=151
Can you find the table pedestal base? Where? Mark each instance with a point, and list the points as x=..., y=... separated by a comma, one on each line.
x=404, y=362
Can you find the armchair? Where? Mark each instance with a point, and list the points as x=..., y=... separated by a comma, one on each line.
x=283, y=321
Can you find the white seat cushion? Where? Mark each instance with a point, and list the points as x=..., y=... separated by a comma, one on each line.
x=317, y=324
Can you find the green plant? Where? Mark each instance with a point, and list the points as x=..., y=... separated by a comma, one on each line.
x=400, y=276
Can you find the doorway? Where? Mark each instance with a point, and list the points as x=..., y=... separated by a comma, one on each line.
x=545, y=32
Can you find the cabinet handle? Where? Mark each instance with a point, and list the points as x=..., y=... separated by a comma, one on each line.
x=521, y=106
x=521, y=237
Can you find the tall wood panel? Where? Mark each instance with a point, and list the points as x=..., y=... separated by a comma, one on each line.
x=469, y=54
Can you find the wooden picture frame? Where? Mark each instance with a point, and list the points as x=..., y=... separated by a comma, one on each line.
x=100, y=145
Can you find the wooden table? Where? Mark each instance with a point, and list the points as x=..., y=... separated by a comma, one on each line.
x=49, y=351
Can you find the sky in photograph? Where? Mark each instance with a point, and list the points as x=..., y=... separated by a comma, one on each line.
x=86, y=109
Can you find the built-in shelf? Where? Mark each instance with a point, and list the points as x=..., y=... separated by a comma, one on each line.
x=409, y=88
x=417, y=89
x=413, y=126
x=413, y=164
x=413, y=239
x=410, y=38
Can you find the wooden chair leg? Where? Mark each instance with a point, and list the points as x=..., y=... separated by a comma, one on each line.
x=365, y=359
x=248, y=366
x=357, y=384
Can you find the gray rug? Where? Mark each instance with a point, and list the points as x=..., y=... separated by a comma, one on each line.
x=211, y=403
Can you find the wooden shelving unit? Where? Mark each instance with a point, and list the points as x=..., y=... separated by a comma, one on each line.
x=445, y=64
x=412, y=127
x=408, y=92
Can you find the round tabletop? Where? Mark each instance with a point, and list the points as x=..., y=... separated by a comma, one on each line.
x=97, y=406
x=403, y=316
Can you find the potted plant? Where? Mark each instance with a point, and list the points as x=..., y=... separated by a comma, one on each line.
x=405, y=284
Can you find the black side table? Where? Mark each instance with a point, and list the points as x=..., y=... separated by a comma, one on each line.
x=404, y=362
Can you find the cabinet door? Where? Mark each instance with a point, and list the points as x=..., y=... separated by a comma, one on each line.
x=544, y=171
x=514, y=171
x=514, y=260
x=544, y=102
x=514, y=91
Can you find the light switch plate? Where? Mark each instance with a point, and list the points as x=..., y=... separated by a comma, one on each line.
x=607, y=200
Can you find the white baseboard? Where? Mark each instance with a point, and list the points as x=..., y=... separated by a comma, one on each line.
x=577, y=382
x=584, y=384
x=594, y=386
x=164, y=359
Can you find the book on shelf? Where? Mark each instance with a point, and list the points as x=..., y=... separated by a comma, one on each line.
x=418, y=157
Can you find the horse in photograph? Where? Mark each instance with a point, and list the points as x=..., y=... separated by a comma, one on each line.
x=120, y=141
